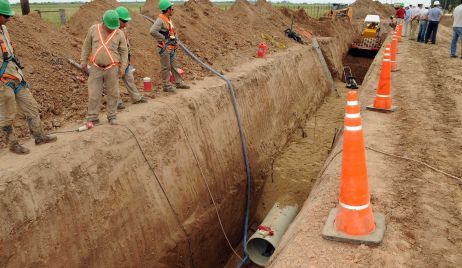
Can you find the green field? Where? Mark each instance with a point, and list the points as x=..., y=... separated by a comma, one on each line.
x=313, y=10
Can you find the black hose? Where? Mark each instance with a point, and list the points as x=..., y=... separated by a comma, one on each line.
x=241, y=133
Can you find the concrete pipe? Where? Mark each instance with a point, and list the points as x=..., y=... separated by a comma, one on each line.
x=265, y=240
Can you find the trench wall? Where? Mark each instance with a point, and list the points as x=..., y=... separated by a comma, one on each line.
x=91, y=200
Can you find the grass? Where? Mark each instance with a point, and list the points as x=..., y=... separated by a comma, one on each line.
x=313, y=10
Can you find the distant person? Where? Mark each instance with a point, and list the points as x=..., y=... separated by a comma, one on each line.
x=434, y=17
x=128, y=78
x=400, y=14
x=414, y=21
x=456, y=30
x=105, y=48
x=165, y=34
x=407, y=20
x=15, y=93
x=423, y=23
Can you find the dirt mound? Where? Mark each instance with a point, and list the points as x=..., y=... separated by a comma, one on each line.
x=361, y=8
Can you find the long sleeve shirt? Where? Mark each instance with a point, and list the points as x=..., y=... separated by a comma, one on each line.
x=408, y=15
x=401, y=13
x=117, y=47
x=155, y=30
x=11, y=68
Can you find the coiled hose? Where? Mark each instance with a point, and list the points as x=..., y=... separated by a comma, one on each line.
x=241, y=133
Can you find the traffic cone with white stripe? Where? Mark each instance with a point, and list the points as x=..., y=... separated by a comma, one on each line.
x=399, y=32
x=353, y=220
x=383, y=101
x=394, y=51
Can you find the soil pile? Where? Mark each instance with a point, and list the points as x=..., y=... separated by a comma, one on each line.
x=361, y=8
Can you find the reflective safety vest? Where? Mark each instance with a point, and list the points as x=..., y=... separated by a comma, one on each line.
x=171, y=33
x=8, y=56
x=103, y=45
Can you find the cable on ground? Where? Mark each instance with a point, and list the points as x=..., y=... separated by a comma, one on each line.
x=205, y=180
x=165, y=194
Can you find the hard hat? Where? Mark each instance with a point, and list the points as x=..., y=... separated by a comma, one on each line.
x=111, y=19
x=5, y=8
x=123, y=13
x=164, y=5
x=436, y=3
x=401, y=5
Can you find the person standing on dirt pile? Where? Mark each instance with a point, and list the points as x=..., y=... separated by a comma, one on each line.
x=164, y=32
x=128, y=79
x=423, y=23
x=456, y=30
x=14, y=91
x=415, y=16
x=434, y=17
x=109, y=58
x=400, y=14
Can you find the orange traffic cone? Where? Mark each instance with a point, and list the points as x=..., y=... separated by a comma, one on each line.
x=394, y=51
x=354, y=221
x=399, y=32
x=383, y=101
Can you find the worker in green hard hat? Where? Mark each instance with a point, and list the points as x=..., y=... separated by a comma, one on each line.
x=15, y=93
x=105, y=50
x=129, y=79
x=165, y=34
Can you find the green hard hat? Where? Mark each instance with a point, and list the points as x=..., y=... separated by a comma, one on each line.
x=123, y=13
x=110, y=19
x=164, y=5
x=5, y=8
x=401, y=5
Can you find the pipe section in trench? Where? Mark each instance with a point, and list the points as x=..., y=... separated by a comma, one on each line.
x=90, y=199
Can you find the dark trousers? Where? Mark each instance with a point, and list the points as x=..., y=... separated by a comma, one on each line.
x=431, y=30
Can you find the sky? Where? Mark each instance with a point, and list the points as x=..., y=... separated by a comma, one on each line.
x=414, y=2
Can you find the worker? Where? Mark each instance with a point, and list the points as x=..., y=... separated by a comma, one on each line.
x=414, y=21
x=129, y=79
x=105, y=49
x=15, y=93
x=434, y=17
x=423, y=23
x=407, y=20
x=456, y=30
x=400, y=14
x=165, y=34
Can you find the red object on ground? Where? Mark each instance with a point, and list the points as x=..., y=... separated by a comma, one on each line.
x=266, y=229
x=172, y=78
x=262, y=48
x=147, y=84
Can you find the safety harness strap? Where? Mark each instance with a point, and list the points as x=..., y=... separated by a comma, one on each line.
x=104, y=45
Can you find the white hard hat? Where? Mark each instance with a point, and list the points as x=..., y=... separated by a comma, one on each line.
x=436, y=3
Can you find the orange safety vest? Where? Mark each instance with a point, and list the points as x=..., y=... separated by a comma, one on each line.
x=171, y=31
x=104, y=45
x=8, y=79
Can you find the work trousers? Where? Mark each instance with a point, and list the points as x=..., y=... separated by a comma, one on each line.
x=97, y=80
x=432, y=29
x=405, y=28
x=422, y=30
x=28, y=106
x=129, y=81
x=413, y=25
x=456, y=35
x=167, y=65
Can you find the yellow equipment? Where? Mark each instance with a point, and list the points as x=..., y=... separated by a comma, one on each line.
x=340, y=11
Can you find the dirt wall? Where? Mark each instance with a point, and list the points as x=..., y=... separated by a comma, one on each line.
x=91, y=200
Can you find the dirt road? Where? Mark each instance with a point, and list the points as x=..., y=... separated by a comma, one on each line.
x=423, y=208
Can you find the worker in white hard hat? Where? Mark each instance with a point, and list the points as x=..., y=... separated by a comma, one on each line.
x=434, y=17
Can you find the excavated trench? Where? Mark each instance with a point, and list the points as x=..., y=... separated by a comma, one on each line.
x=92, y=200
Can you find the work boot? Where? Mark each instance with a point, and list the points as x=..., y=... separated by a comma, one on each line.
x=120, y=105
x=169, y=89
x=113, y=122
x=182, y=86
x=42, y=139
x=17, y=148
x=141, y=100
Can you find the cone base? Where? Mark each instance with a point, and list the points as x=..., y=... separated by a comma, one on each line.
x=329, y=231
x=372, y=108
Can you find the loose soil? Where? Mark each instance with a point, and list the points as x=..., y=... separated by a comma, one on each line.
x=422, y=207
x=359, y=66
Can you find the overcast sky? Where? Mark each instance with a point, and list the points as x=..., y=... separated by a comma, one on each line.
x=292, y=1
